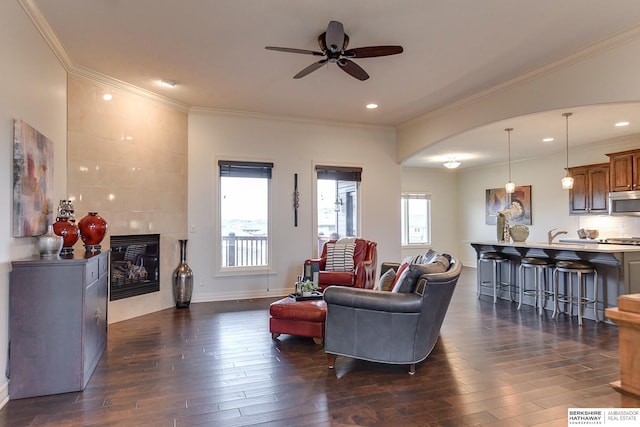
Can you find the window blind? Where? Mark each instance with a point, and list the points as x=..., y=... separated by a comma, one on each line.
x=245, y=169
x=339, y=173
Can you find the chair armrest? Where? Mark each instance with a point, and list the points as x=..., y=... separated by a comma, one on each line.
x=373, y=300
x=364, y=275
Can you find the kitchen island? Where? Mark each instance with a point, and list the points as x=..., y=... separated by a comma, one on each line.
x=618, y=266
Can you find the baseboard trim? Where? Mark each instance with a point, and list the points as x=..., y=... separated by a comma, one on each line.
x=230, y=296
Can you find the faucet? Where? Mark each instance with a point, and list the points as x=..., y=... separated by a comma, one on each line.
x=551, y=235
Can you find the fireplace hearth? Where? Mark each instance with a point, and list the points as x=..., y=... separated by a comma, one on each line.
x=135, y=265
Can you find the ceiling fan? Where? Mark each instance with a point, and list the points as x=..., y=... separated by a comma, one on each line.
x=333, y=44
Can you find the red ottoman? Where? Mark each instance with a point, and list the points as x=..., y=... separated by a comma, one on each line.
x=302, y=318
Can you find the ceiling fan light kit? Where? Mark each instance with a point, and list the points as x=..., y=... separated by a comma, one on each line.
x=452, y=164
x=333, y=45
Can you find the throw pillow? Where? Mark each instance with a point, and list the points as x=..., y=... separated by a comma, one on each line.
x=410, y=279
x=386, y=280
x=400, y=275
x=345, y=240
x=340, y=257
x=413, y=272
x=440, y=264
x=429, y=256
x=414, y=259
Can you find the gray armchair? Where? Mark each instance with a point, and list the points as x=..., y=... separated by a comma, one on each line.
x=388, y=327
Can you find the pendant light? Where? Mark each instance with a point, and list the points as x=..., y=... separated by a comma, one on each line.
x=510, y=187
x=452, y=163
x=567, y=181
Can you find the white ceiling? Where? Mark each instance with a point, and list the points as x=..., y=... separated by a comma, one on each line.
x=214, y=49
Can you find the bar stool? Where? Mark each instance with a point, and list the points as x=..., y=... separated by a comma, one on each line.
x=582, y=269
x=542, y=270
x=496, y=260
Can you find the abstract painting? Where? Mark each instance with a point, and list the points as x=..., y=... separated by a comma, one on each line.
x=32, y=180
x=498, y=200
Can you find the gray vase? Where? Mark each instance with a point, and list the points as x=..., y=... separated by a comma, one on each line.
x=50, y=244
x=183, y=279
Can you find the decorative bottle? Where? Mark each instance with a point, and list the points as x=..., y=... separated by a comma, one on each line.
x=65, y=226
x=183, y=279
x=507, y=233
x=501, y=222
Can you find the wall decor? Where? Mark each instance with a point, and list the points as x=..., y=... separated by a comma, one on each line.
x=296, y=199
x=32, y=180
x=497, y=200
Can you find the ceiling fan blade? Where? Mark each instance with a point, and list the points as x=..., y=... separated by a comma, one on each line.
x=311, y=68
x=292, y=50
x=334, y=36
x=353, y=69
x=371, y=51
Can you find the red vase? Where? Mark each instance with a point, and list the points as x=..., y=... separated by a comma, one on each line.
x=69, y=232
x=92, y=229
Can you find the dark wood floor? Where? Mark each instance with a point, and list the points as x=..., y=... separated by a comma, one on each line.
x=216, y=365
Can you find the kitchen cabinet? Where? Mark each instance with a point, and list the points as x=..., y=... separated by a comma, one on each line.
x=590, y=189
x=58, y=323
x=625, y=170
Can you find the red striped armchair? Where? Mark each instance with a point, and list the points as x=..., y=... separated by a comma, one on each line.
x=338, y=267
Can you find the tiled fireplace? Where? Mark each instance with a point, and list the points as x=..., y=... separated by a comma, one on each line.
x=135, y=265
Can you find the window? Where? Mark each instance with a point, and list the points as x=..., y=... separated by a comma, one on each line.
x=416, y=219
x=337, y=202
x=244, y=213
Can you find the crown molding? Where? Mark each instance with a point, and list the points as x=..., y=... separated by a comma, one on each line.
x=126, y=87
x=295, y=119
x=40, y=22
x=594, y=49
x=38, y=19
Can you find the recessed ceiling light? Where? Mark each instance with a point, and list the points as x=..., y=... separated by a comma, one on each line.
x=620, y=124
x=168, y=83
x=107, y=97
x=372, y=106
x=547, y=139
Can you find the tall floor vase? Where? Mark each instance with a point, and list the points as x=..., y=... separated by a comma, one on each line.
x=183, y=279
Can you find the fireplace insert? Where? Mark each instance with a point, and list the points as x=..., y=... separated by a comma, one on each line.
x=135, y=265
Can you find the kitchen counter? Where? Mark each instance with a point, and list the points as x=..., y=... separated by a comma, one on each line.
x=618, y=266
x=563, y=246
